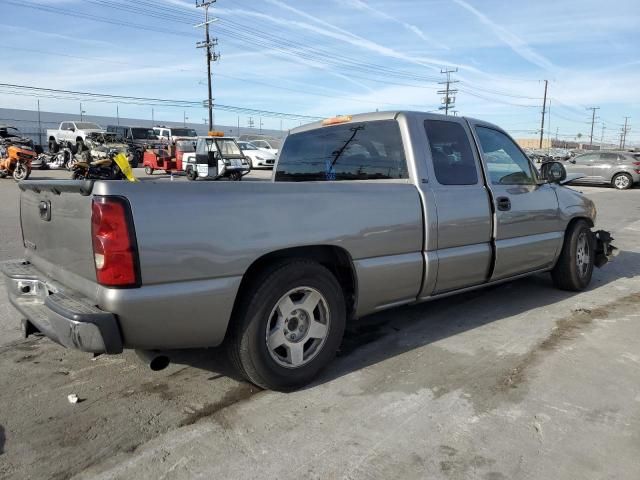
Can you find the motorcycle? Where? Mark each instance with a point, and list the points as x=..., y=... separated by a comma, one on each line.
x=56, y=161
x=15, y=160
x=115, y=166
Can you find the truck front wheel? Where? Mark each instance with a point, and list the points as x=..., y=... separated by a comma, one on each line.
x=289, y=327
x=575, y=265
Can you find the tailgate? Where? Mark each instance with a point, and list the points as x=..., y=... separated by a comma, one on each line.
x=56, y=227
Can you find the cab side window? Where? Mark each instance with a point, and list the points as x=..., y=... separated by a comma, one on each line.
x=506, y=164
x=451, y=152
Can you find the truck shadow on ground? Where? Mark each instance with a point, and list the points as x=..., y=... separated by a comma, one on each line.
x=2, y=439
x=402, y=329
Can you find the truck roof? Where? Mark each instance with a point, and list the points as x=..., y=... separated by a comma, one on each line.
x=387, y=115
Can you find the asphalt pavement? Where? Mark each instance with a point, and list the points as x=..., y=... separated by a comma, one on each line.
x=518, y=381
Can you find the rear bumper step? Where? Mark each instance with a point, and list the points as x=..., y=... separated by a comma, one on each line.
x=67, y=318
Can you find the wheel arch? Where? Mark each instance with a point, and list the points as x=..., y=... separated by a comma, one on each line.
x=336, y=259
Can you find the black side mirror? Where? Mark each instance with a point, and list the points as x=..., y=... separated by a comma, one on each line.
x=573, y=161
x=553, y=172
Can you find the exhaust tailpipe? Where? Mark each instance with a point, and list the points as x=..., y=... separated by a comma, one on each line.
x=156, y=361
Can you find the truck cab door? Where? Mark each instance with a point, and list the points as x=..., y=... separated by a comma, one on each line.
x=462, y=252
x=528, y=230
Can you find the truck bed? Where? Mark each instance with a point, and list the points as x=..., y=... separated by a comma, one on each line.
x=195, y=242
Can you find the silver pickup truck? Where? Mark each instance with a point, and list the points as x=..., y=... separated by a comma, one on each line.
x=363, y=213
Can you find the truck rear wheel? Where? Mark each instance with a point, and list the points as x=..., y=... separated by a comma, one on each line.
x=289, y=327
x=575, y=266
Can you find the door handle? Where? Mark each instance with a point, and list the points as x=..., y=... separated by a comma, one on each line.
x=504, y=204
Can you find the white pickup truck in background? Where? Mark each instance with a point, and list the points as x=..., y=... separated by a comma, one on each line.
x=73, y=133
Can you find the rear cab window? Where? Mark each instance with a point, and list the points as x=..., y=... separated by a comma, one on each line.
x=351, y=151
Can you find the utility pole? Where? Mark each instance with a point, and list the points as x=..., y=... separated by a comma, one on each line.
x=118, y=113
x=211, y=56
x=238, y=125
x=184, y=118
x=602, y=136
x=544, y=111
x=449, y=99
x=39, y=125
x=152, y=117
x=251, y=123
x=625, y=130
x=261, y=125
x=593, y=121
x=81, y=112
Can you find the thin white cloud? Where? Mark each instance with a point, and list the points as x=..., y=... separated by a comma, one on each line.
x=360, y=5
x=514, y=42
x=326, y=29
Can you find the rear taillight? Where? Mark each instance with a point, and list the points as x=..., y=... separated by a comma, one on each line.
x=114, y=243
x=636, y=163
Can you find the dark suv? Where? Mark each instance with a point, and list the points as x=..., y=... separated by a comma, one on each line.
x=137, y=138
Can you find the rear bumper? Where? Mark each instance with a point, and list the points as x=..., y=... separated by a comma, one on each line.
x=67, y=318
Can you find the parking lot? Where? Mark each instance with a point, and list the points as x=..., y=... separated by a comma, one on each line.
x=517, y=381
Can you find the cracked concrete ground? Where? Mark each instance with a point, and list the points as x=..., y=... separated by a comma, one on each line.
x=516, y=381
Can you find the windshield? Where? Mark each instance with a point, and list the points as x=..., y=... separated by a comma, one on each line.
x=247, y=146
x=88, y=126
x=183, y=132
x=228, y=147
x=143, y=134
x=275, y=144
x=186, y=146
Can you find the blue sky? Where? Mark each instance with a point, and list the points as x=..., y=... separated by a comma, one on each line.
x=321, y=58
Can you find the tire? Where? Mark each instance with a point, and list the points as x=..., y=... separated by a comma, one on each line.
x=622, y=181
x=191, y=174
x=258, y=313
x=575, y=266
x=77, y=175
x=168, y=172
x=20, y=172
x=53, y=146
x=148, y=170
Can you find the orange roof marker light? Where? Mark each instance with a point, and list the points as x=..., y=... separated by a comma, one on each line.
x=337, y=120
x=214, y=133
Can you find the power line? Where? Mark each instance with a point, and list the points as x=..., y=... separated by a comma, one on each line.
x=26, y=90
